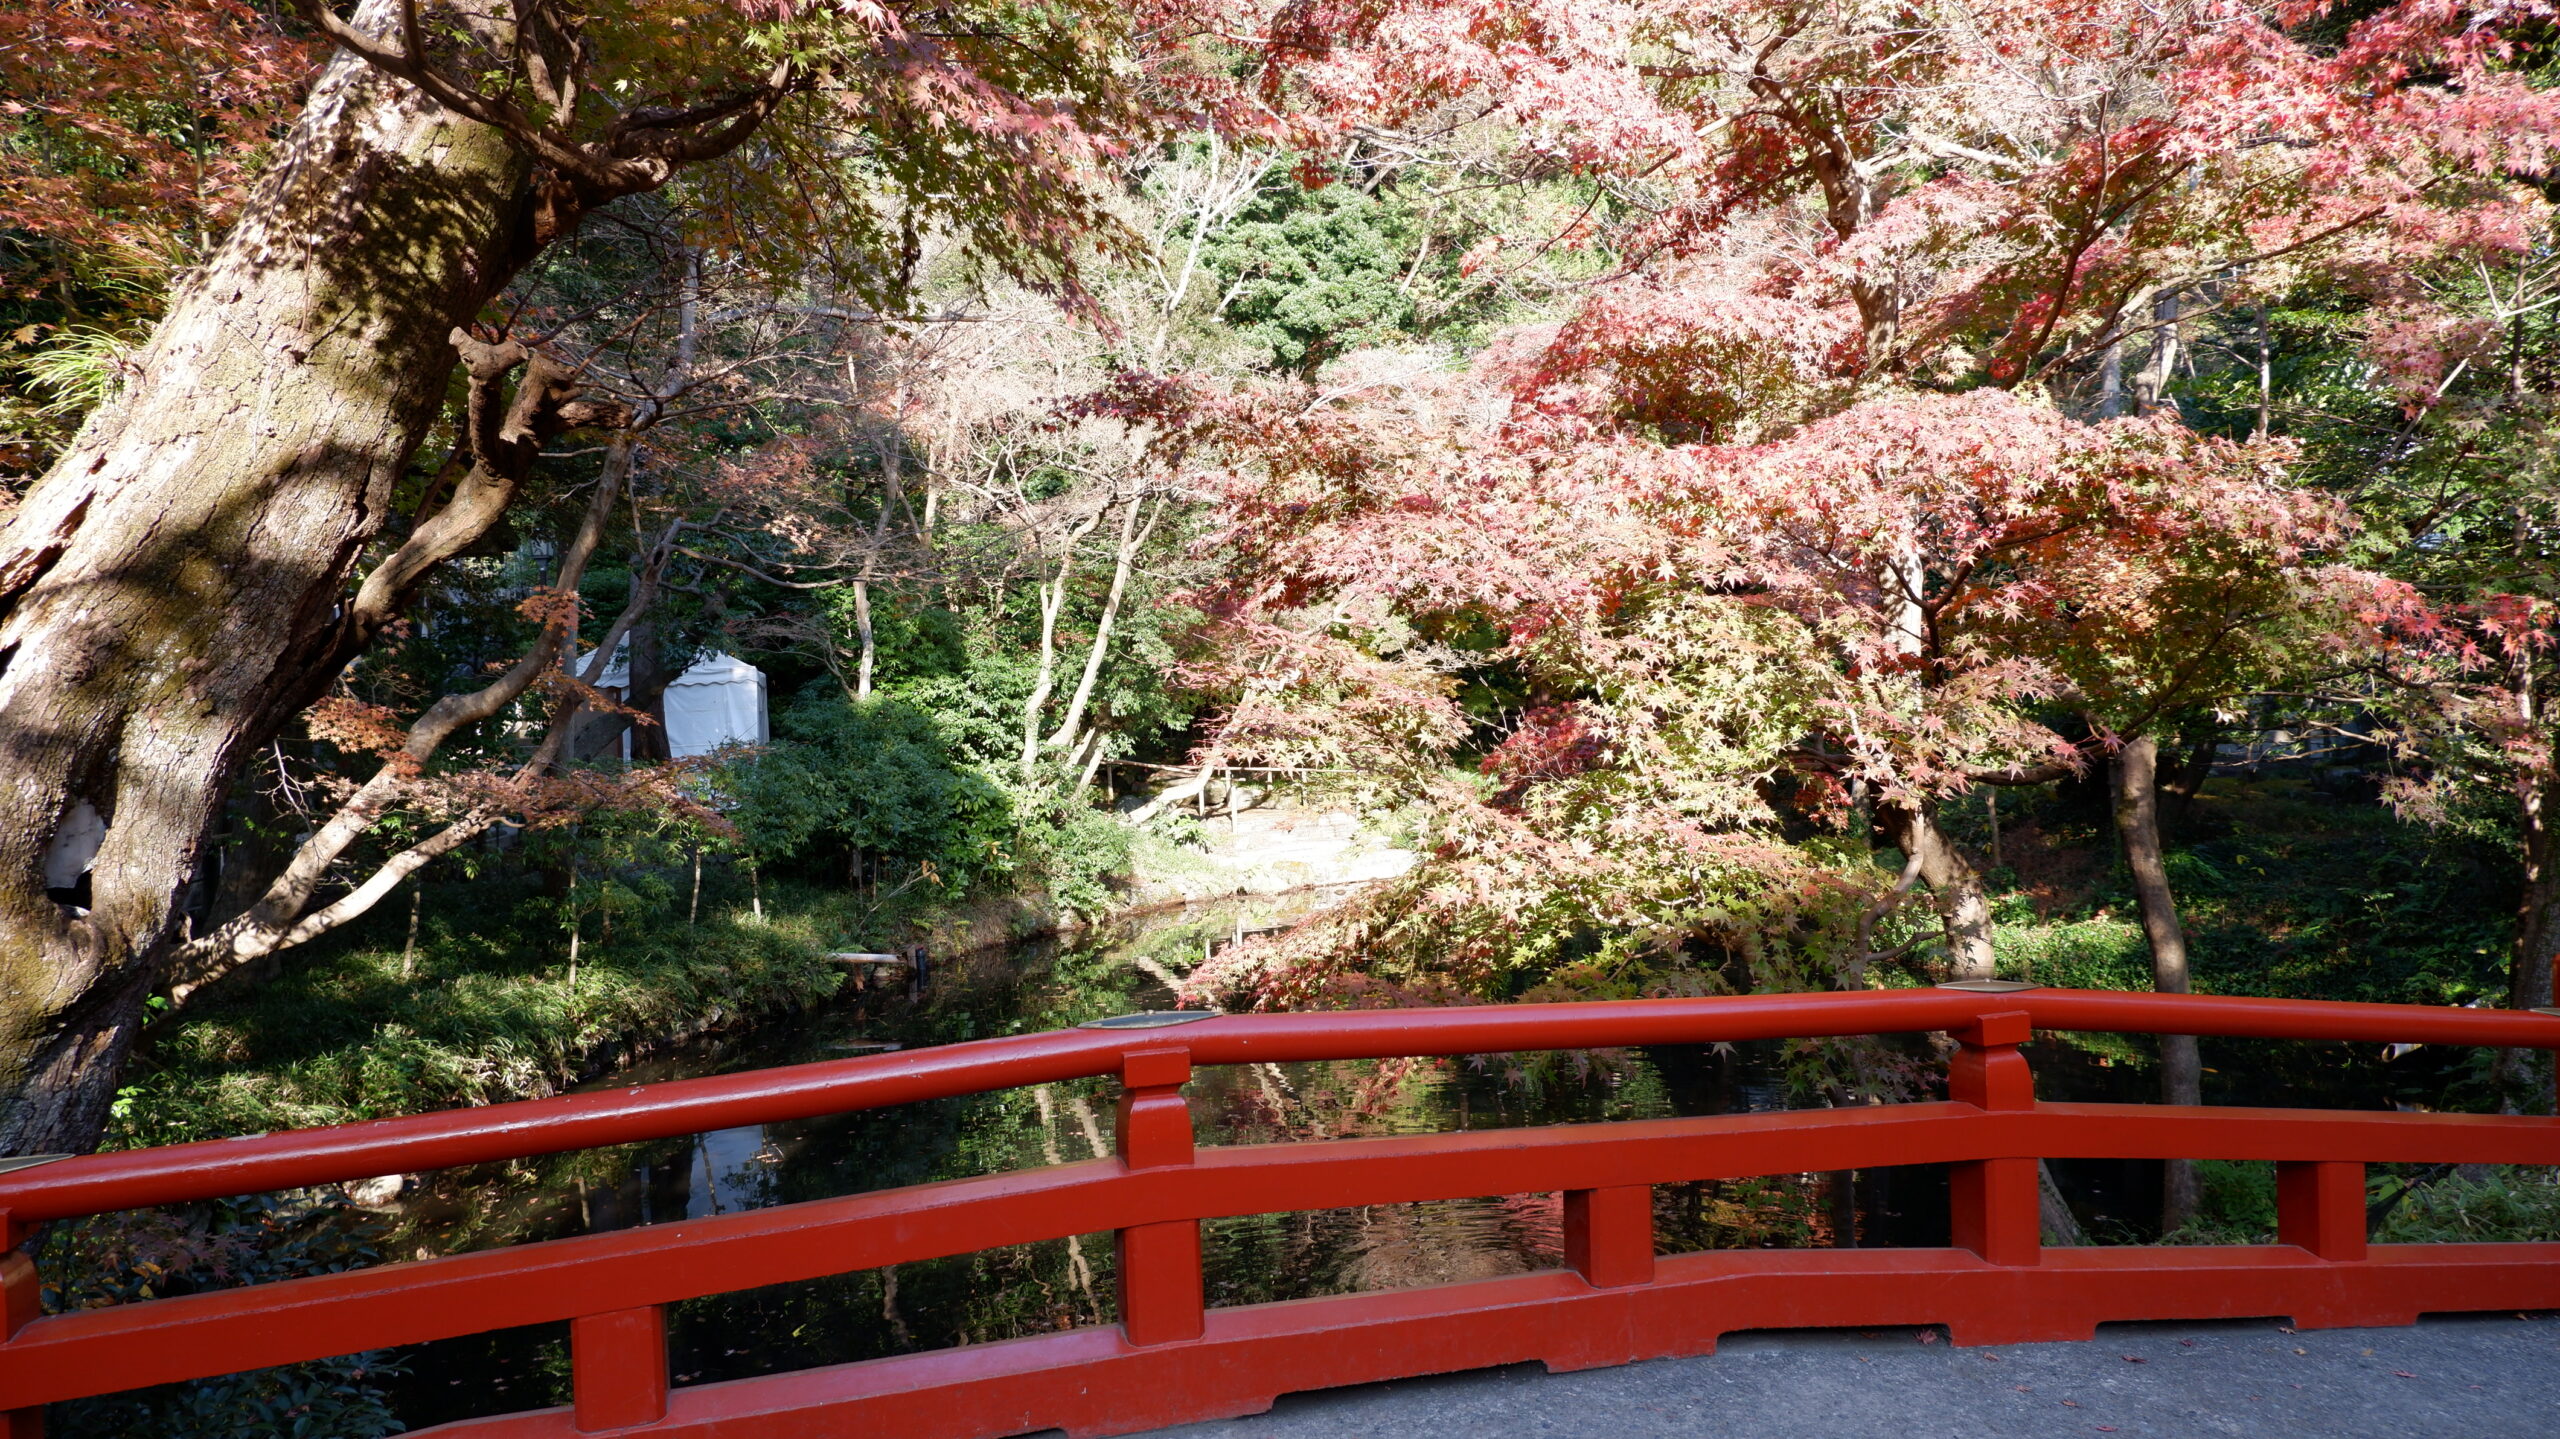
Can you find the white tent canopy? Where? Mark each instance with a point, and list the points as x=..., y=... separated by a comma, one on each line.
x=720, y=700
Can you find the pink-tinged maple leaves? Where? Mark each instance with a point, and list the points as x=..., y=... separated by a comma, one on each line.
x=138, y=125
x=1992, y=188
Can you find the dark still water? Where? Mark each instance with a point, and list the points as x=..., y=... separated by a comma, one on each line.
x=1007, y=1293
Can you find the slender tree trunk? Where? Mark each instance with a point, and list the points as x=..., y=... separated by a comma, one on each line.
x=170, y=591
x=2186, y=784
x=868, y=652
x=2111, y=381
x=1053, y=600
x=2535, y=974
x=2266, y=376
x=892, y=447
x=2151, y=390
x=2181, y=1064
x=650, y=676
x=1133, y=537
x=1964, y=907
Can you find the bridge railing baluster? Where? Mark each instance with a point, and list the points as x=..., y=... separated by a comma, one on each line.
x=2320, y=1207
x=1608, y=1235
x=618, y=1368
x=1159, y=1264
x=1993, y=1201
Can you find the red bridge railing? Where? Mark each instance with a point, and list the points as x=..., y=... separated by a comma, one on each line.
x=1171, y=1359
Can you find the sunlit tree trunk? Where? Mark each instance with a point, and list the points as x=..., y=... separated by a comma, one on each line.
x=1053, y=601
x=171, y=592
x=1955, y=888
x=1133, y=537
x=2137, y=807
x=2160, y=371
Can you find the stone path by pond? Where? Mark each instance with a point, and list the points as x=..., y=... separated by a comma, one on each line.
x=2455, y=1377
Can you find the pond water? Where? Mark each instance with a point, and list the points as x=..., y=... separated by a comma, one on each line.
x=1051, y=984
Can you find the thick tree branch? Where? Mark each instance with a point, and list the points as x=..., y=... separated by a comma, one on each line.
x=277, y=920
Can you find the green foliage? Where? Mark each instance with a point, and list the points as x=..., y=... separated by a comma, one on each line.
x=2512, y=1203
x=1312, y=274
x=2286, y=891
x=2076, y=954
x=114, y=1259
x=1076, y=850
x=882, y=777
x=876, y=777
x=482, y=1010
x=2235, y=1204
x=2508, y=1204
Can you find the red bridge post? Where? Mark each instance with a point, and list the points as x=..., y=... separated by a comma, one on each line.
x=21, y=1301
x=2320, y=1207
x=1993, y=1201
x=1608, y=1235
x=618, y=1368
x=1159, y=1264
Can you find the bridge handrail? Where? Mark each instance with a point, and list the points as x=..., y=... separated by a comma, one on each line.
x=183, y=1173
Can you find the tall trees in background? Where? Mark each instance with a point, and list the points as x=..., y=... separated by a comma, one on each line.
x=1738, y=431
x=1827, y=218
x=173, y=590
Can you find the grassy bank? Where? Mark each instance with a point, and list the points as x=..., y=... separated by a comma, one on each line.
x=483, y=1006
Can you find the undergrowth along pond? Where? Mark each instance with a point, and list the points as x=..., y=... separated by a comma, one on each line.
x=485, y=1008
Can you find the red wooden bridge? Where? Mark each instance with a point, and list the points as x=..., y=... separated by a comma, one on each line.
x=1171, y=1359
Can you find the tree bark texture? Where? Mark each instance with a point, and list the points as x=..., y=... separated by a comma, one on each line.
x=2534, y=975
x=2137, y=768
x=170, y=594
x=1955, y=888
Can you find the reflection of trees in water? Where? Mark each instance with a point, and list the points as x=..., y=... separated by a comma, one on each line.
x=1079, y=1272
x=1256, y=1259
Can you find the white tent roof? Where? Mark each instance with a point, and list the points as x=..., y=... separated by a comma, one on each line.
x=719, y=700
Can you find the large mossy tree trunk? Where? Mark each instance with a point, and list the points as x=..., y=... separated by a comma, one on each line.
x=2137, y=771
x=176, y=587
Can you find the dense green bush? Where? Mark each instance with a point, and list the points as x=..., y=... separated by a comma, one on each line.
x=876, y=778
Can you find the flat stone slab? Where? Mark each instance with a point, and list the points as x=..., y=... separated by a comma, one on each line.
x=2454, y=1377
